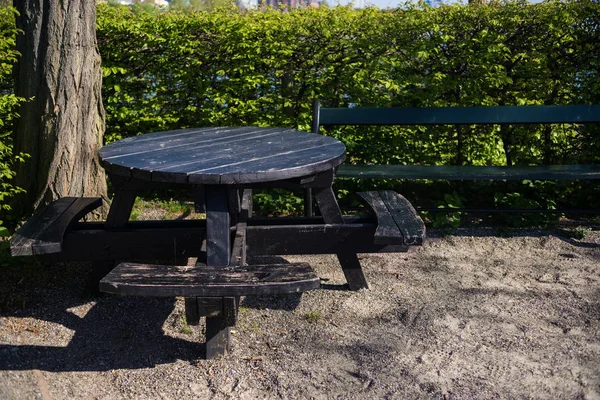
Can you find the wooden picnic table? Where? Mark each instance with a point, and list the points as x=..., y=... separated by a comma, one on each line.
x=221, y=165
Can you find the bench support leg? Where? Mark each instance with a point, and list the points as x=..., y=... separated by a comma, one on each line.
x=221, y=315
x=118, y=216
x=219, y=204
x=330, y=210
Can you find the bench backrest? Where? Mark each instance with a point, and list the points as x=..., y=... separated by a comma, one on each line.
x=455, y=115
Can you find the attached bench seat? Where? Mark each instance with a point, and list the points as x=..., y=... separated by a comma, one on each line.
x=397, y=220
x=203, y=281
x=43, y=233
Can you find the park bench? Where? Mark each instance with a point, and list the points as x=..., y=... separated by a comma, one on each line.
x=501, y=115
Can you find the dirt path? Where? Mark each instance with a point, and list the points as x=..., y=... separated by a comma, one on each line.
x=466, y=316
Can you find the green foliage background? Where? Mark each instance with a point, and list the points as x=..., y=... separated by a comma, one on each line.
x=8, y=106
x=263, y=68
x=230, y=67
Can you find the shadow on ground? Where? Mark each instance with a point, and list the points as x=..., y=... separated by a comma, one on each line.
x=115, y=333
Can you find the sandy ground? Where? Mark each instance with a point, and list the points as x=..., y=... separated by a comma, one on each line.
x=469, y=315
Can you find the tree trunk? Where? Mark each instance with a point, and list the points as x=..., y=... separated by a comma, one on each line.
x=61, y=128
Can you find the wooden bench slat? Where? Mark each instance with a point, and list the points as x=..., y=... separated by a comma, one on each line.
x=387, y=231
x=204, y=281
x=468, y=172
x=43, y=233
x=405, y=216
x=460, y=115
x=397, y=220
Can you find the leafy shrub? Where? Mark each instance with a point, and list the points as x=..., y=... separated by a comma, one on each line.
x=8, y=106
x=171, y=70
x=167, y=70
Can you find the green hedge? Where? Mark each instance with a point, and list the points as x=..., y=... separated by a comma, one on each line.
x=229, y=67
x=263, y=68
x=8, y=106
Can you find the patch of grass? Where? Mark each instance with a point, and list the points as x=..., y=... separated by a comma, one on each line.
x=164, y=209
x=579, y=232
x=255, y=327
x=312, y=316
x=175, y=206
x=135, y=215
x=183, y=325
x=186, y=330
x=243, y=310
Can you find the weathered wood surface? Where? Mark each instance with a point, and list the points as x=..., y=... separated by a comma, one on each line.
x=218, y=334
x=43, y=233
x=164, y=240
x=348, y=259
x=398, y=221
x=470, y=172
x=405, y=216
x=238, y=251
x=169, y=281
x=387, y=231
x=218, y=237
x=222, y=155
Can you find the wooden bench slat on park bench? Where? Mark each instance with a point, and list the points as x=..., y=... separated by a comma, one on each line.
x=483, y=115
x=469, y=172
x=43, y=233
x=397, y=220
x=204, y=281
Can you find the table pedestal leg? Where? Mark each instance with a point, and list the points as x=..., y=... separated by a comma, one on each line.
x=332, y=214
x=219, y=207
x=218, y=332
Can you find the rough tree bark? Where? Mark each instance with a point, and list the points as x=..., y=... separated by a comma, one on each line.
x=62, y=126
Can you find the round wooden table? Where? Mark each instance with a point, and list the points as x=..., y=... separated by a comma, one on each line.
x=222, y=155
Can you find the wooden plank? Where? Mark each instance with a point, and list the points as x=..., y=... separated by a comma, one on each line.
x=315, y=239
x=461, y=115
x=184, y=138
x=238, y=252
x=387, y=231
x=169, y=281
x=258, y=145
x=227, y=155
x=43, y=233
x=192, y=311
x=120, y=208
x=218, y=333
x=348, y=259
x=405, y=216
x=218, y=238
x=199, y=199
x=469, y=172
x=180, y=160
x=246, y=205
x=284, y=165
x=140, y=241
x=21, y=243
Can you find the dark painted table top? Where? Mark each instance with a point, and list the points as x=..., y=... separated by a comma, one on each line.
x=222, y=155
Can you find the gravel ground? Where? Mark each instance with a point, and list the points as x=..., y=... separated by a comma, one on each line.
x=468, y=315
